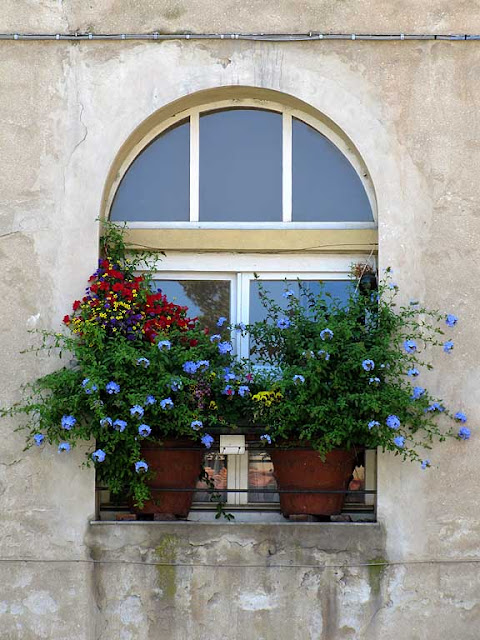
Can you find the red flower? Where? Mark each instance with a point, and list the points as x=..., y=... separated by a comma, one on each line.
x=76, y=304
x=66, y=319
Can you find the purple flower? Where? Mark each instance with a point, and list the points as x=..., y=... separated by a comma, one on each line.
x=167, y=403
x=413, y=372
x=229, y=390
x=448, y=346
x=119, y=425
x=410, y=346
x=326, y=334
x=98, y=455
x=464, y=433
x=38, y=439
x=243, y=391
x=399, y=441
x=112, y=387
x=137, y=411
x=221, y=321
x=164, y=345
x=215, y=338
x=207, y=440
x=461, y=417
x=298, y=379
x=266, y=438
x=144, y=430
x=425, y=464
x=190, y=367
x=368, y=365
x=283, y=323
x=196, y=425
x=393, y=422
x=144, y=362
x=451, y=320
x=89, y=386
x=224, y=347
x=64, y=446
x=373, y=423
x=106, y=422
x=68, y=422
x=141, y=466
x=150, y=400
x=417, y=393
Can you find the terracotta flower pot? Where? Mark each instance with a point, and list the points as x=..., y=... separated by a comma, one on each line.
x=303, y=470
x=176, y=465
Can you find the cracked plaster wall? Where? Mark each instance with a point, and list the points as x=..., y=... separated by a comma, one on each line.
x=411, y=109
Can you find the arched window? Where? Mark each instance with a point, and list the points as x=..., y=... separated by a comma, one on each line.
x=244, y=164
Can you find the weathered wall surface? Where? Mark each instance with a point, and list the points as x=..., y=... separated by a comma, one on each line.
x=411, y=108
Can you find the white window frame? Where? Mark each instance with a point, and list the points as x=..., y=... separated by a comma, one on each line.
x=193, y=115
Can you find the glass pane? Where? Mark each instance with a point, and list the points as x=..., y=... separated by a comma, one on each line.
x=260, y=477
x=241, y=166
x=206, y=300
x=215, y=465
x=156, y=187
x=276, y=288
x=325, y=186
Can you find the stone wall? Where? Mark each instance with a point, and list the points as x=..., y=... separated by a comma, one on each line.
x=411, y=109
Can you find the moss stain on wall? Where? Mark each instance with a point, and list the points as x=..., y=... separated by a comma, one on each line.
x=166, y=554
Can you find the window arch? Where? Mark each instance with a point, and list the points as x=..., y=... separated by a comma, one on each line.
x=243, y=163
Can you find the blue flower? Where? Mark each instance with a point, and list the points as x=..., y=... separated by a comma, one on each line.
x=298, y=379
x=196, y=425
x=266, y=438
x=391, y=285
x=167, y=403
x=190, y=367
x=207, y=440
x=413, y=372
x=425, y=464
x=323, y=354
x=241, y=326
x=451, y=320
x=38, y=439
x=399, y=441
x=144, y=362
x=464, y=433
x=414, y=303
x=435, y=406
x=141, y=466
x=393, y=422
x=64, y=446
x=119, y=425
x=112, y=387
x=221, y=321
x=448, y=346
x=68, y=422
x=164, y=345
x=368, y=365
x=243, y=390
x=375, y=381
x=373, y=423
x=417, y=393
x=461, y=417
x=89, y=387
x=224, y=347
x=326, y=334
x=144, y=430
x=98, y=455
x=202, y=365
x=150, y=400
x=215, y=338
x=229, y=375
x=288, y=293
x=229, y=390
x=410, y=346
x=283, y=323
x=137, y=411
x=176, y=384
x=106, y=422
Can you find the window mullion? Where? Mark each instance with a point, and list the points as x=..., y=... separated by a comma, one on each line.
x=194, y=166
x=287, y=167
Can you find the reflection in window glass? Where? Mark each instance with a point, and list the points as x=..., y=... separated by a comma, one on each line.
x=241, y=166
x=157, y=184
x=206, y=300
x=215, y=465
x=260, y=477
x=276, y=288
x=325, y=185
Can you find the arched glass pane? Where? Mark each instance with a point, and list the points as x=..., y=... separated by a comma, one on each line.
x=241, y=166
x=156, y=187
x=325, y=187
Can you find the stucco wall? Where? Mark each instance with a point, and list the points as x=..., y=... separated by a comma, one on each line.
x=411, y=108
